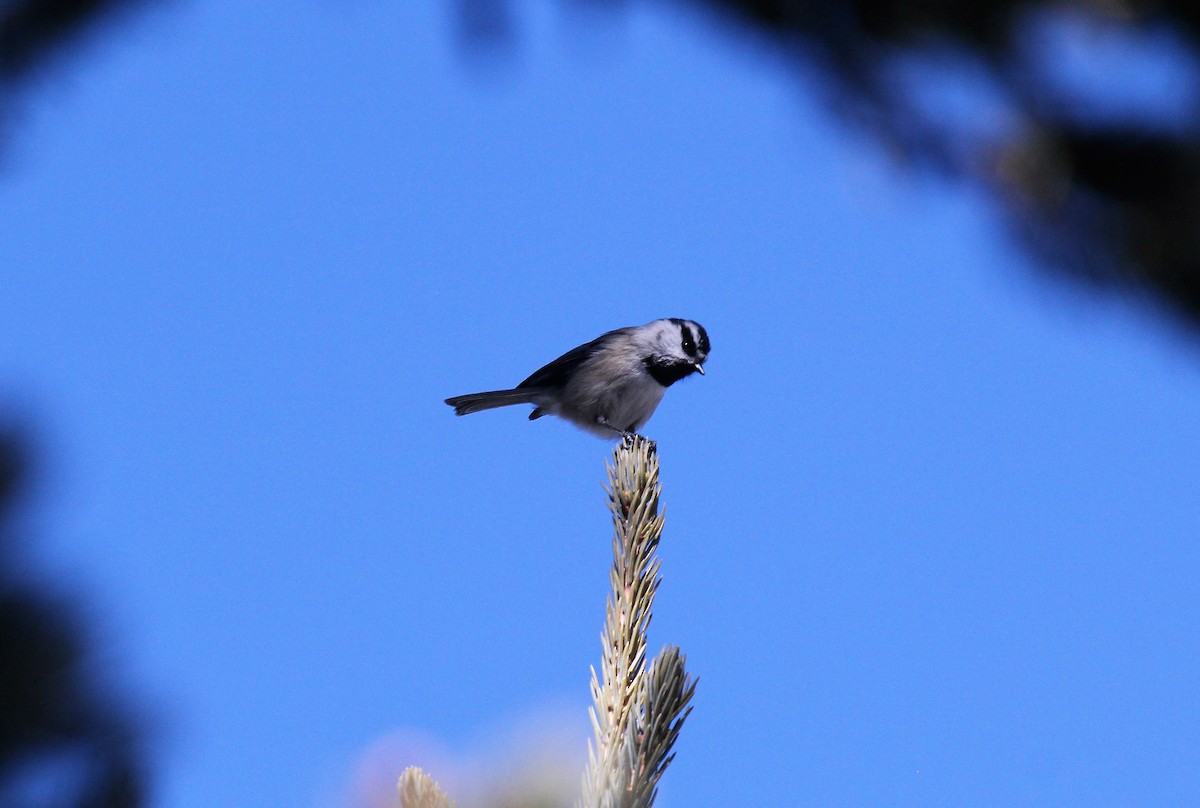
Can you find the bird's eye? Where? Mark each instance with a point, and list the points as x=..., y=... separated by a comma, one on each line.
x=687, y=340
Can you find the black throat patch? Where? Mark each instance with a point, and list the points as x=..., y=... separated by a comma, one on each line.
x=667, y=371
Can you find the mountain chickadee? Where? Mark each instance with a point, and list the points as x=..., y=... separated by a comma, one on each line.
x=610, y=386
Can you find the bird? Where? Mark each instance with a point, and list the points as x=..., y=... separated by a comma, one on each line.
x=610, y=386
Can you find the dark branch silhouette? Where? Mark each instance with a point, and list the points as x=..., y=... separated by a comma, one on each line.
x=59, y=731
x=34, y=31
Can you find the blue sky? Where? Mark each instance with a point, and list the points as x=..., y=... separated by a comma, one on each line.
x=931, y=518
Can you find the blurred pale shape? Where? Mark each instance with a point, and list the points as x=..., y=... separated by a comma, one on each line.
x=535, y=764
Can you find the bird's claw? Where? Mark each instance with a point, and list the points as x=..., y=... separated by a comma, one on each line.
x=631, y=439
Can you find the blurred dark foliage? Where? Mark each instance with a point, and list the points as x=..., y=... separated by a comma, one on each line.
x=485, y=23
x=33, y=31
x=63, y=742
x=1112, y=199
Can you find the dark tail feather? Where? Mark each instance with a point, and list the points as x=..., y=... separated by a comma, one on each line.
x=478, y=402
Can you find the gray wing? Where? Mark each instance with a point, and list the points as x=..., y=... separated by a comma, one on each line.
x=556, y=373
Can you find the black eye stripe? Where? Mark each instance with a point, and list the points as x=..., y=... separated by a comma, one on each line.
x=689, y=341
x=693, y=337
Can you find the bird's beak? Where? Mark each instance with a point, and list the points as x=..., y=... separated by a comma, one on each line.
x=699, y=368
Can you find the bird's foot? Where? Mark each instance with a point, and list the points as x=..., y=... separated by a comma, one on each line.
x=631, y=439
